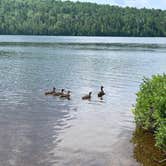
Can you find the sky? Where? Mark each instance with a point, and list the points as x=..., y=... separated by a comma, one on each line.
x=157, y=4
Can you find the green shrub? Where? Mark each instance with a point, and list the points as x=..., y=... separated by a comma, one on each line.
x=161, y=136
x=150, y=109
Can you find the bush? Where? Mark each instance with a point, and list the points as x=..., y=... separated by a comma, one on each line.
x=150, y=109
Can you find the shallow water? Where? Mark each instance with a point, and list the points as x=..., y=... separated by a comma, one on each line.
x=145, y=150
x=43, y=130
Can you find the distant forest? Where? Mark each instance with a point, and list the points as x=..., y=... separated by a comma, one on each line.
x=52, y=17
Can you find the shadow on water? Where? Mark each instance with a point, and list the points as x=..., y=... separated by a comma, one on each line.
x=145, y=151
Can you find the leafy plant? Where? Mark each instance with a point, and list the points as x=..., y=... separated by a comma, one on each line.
x=150, y=109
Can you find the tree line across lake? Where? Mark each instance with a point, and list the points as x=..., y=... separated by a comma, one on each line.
x=52, y=17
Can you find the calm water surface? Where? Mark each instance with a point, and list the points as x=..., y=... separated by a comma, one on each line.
x=39, y=130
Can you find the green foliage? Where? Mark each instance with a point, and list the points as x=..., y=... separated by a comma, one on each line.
x=55, y=17
x=161, y=135
x=150, y=109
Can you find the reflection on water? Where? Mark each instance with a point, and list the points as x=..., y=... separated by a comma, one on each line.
x=145, y=151
x=44, y=130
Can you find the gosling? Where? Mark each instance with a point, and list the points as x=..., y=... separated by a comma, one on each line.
x=87, y=97
x=67, y=95
x=51, y=92
x=59, y=93
x=101, y=93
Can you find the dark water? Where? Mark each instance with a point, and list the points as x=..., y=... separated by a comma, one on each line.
x=145, y=150
x=39, y=130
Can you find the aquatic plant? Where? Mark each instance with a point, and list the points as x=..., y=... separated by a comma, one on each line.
x=150, y=108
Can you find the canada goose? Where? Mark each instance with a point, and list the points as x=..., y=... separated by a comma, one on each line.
x=87, y=97
x=51, y=92
x=67, y=95
x=59, y=93
x=101, y=93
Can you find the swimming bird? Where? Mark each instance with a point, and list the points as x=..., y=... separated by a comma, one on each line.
x=59, y=93
x=51, y=92
x=67, y=95
x=101, y=93
x=87, y=97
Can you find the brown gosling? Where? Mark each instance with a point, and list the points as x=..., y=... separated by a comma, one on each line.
x=59, y=93
x=67, y=95
x=51, y=92
x=87, y=97
x=101, y=93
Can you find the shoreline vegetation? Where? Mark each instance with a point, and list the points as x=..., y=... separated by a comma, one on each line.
x=145, y=151
x=150, y=117
x=66, y=18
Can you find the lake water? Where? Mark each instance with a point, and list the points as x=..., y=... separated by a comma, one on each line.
x=39, y=130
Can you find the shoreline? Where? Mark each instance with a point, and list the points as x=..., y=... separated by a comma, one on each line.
x=145, y=151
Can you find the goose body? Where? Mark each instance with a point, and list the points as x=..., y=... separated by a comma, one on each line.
x=67, y=95
x=87, y=97
x=59, y=93
x=101, y=93
x=51, y=92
